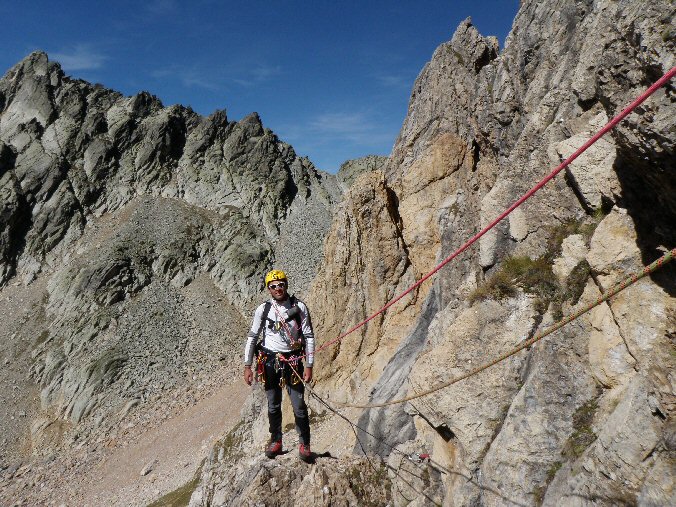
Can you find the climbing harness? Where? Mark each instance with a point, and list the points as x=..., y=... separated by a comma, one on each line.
x=270, y=365
x=263, y=355
x=281, y=359
x=282, y=323
x=293, y=313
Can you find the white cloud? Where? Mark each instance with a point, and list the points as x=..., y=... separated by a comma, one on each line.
x=353, y=127
x=258, y=74
x=189, y=77
x=215, y=78
x=161, y=7
x=194, y=79
x=340, y=123
x=79, y=57
x=263, y=72
x=394, y=81
x=332, y=137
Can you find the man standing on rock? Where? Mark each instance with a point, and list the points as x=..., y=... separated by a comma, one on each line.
x=286, y=329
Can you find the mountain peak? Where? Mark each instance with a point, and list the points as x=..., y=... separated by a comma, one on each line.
x=36, y=63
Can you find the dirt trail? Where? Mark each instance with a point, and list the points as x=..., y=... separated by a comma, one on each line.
x=174, y=450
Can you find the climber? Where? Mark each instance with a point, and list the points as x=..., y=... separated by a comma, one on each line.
x=286, y=329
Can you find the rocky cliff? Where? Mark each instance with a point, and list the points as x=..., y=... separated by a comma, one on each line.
x=140, y=232
x=72, y=151
x=587, y=416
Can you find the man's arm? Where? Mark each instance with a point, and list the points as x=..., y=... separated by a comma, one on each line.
x=251, y=338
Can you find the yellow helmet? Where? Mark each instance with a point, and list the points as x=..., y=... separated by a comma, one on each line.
x=273, y=275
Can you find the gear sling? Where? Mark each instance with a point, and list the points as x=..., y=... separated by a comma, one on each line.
x=265, y=357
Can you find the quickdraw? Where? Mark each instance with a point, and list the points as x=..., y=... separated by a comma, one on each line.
x=260, y=367
x=293, y=363
x=294, y=378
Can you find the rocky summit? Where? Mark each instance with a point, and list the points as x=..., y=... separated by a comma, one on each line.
x=134, y=237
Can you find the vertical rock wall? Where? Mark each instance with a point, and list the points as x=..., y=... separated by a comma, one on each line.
x=586, y=415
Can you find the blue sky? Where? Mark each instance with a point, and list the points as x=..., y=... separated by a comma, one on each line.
x=331, y=78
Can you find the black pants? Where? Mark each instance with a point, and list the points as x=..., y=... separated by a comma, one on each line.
x=274, y=371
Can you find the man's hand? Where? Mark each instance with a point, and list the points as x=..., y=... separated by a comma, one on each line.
x=248, y=375
x=307, y=374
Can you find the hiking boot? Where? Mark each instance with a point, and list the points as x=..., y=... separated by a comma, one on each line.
x=304, y=453
x=273, y=449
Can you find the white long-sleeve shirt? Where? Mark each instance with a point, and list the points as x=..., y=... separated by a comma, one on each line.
x=275, y=336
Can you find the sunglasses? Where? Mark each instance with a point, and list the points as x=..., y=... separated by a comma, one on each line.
x=275, y=286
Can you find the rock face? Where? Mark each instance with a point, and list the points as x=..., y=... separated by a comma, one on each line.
x=234, y=475
x=143, y=231
x=351, y=170
x=587, y=414
x=71, y=151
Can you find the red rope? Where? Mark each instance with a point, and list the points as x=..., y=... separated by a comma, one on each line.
x=658, y=84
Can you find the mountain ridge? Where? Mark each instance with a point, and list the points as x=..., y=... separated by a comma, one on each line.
x=114, y=209
x=585, y=416
x=558, y=424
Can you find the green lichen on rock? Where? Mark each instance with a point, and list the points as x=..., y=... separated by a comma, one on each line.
x=180, y=497
x=534, y=276
x=539, y=492
x=371, y=485
x=231, y=443
x=583, y=435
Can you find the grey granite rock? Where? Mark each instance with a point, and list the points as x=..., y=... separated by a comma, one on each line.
x=85, y=151
x=122, y=204
x=350, y=170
